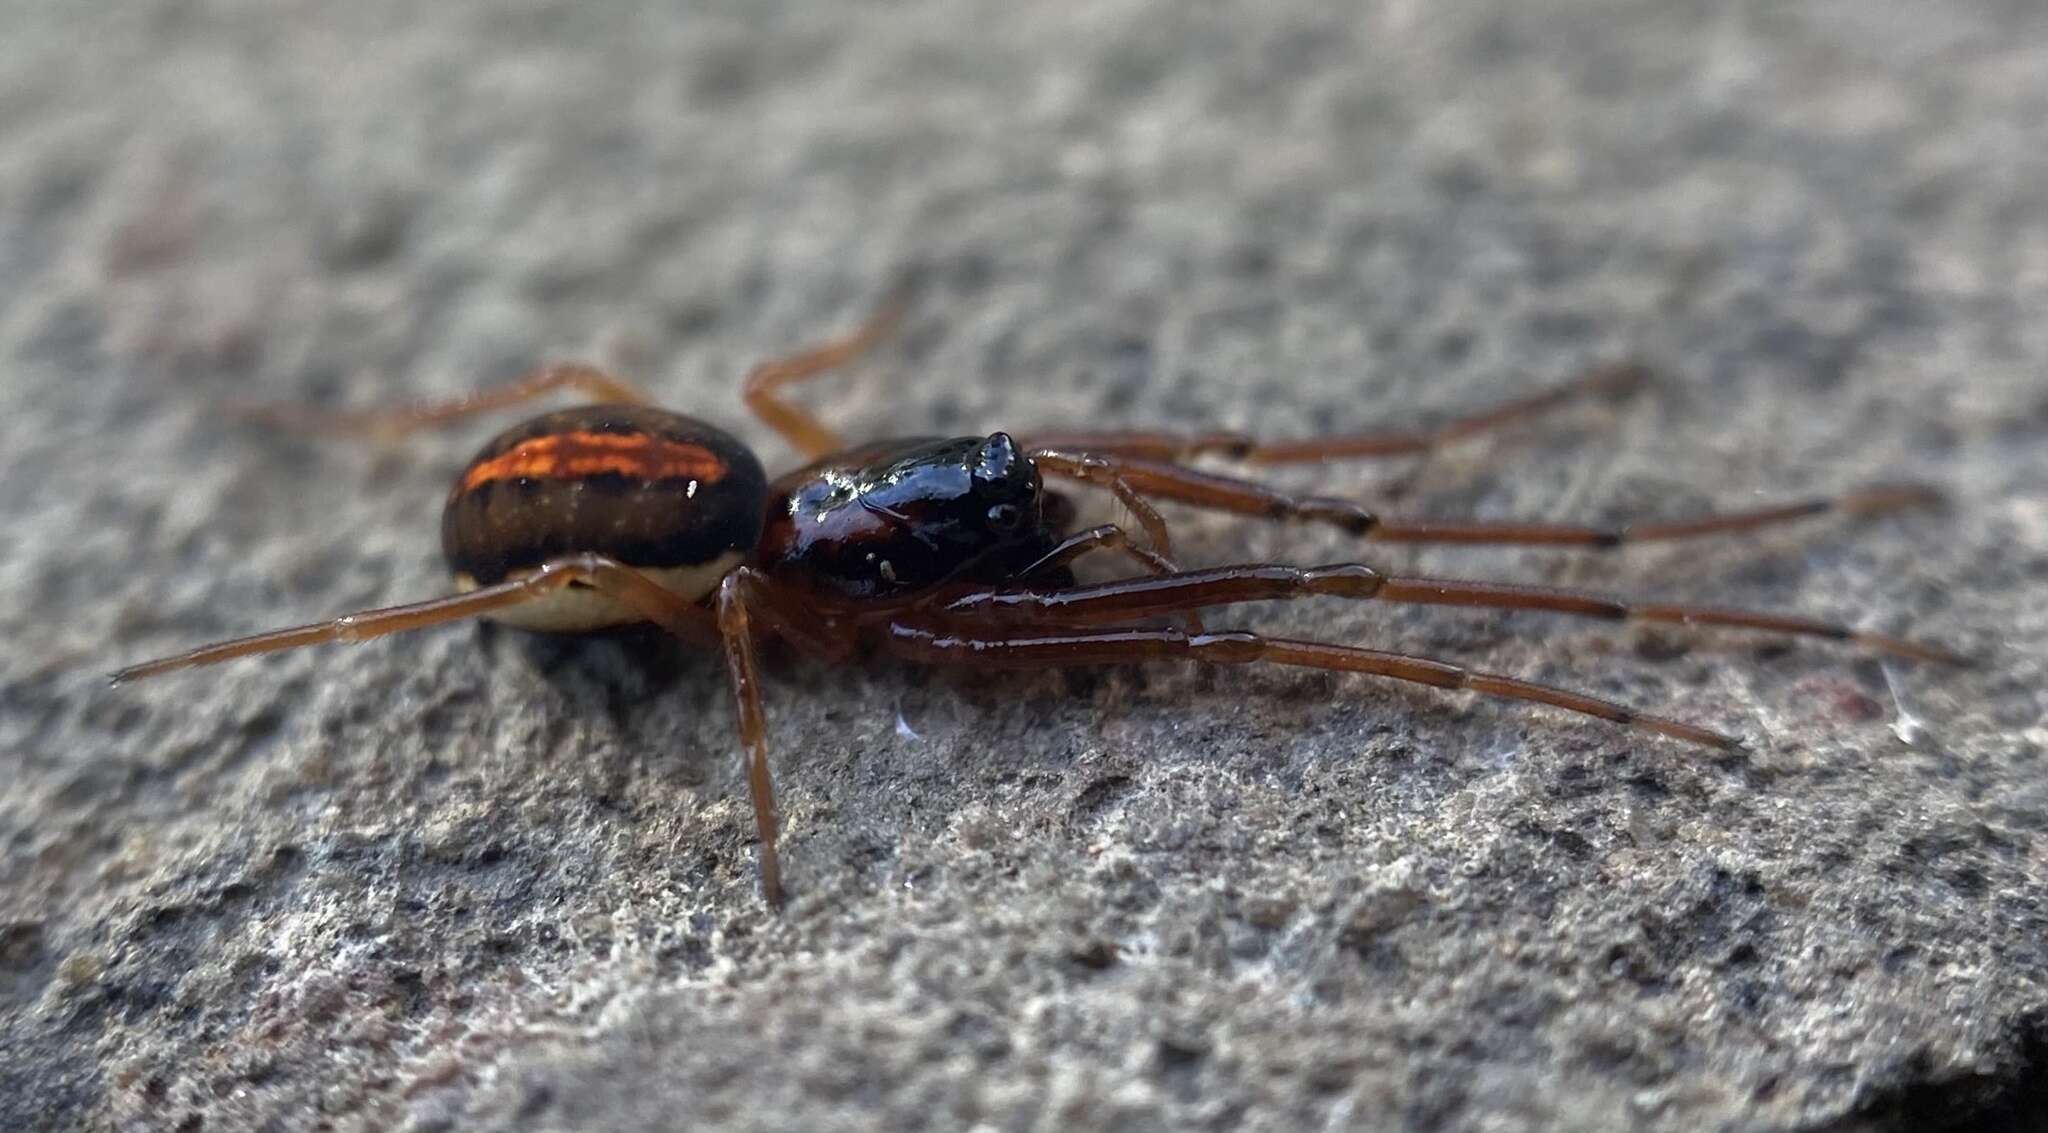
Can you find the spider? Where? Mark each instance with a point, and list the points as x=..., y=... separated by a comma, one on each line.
x=953, y=551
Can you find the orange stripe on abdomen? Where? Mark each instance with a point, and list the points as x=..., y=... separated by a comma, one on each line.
x=571, y=456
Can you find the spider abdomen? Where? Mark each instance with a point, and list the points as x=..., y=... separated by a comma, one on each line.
x=668, y=494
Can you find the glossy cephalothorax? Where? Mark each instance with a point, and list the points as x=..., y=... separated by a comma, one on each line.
x=953, y=550
x=899, y=517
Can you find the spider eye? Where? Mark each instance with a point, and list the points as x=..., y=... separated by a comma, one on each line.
x=1005, y=516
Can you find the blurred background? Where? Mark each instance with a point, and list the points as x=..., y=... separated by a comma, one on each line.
x=470, y=880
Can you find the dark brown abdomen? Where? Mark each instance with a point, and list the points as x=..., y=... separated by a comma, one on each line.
x=651, y=489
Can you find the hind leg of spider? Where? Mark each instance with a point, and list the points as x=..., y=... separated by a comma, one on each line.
x=936, y=641
x=1161, y=480
x=1609, y=380
x=382, y=424
x=1131, y=598
x=728, y=628
x=799, y=427
x=646, y=597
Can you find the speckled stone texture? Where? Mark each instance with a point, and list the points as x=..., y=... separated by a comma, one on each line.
x=476, y=880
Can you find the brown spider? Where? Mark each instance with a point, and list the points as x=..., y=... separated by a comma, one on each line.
x=950, y=551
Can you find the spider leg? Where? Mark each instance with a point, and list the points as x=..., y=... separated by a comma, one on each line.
x=1611, y=379
x=1125, y=599
x=799, y=427
x=737, y=632
x=670, y=611
x=936, y=641
x=728, y=627
x=790, y=614
x=1162, y=480
x=1109, y=537
x=384, y=424
x=743, y=596
x=1107, y=475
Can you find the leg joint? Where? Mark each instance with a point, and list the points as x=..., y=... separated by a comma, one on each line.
x=1229, y=648
x=1344, y=580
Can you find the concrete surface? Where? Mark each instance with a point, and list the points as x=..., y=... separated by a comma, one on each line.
x=471, y=880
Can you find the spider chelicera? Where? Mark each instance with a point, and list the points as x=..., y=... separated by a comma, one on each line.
x=952, y=551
